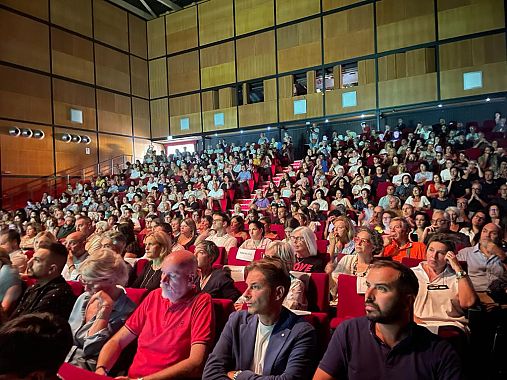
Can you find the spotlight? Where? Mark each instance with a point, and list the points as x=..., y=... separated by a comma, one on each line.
x=14, y=131
x=66, y=138
x=440, y=106
x=269, y=128
x=86, y=139
x=327, y=121
x=26, y=132
x=241, y=131
x=38, y=134
x=488, y=99
x=76, y=139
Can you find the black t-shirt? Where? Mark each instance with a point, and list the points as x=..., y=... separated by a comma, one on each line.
x=458, y=188
x=309, y=264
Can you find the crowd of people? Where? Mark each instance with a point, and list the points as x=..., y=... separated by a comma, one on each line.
x=369, y=205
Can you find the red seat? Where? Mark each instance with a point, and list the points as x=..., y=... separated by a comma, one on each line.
x=136, y=295
x=350, y=303
x=320, y=322
x=222, y=308
x=68, y=371
x=410, y=262
x=221, y=256
x=322, y=246
x=77, y=287
x=29, y=254
x=317, y=293
x=382, y=189
x=473, y=153
x=139, y=266
x=279, y=230
x=240, y=285
x=232, y=260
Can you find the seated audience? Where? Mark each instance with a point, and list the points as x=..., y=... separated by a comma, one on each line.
x=75, y=243
x=10, y=240
x=174, y=327
x=221, y=237
x=398, y=244
x=341, y=238
x=187, y=235
x=27, y=240
x=257, y=239
x=237, y=228
x=101, y=310
x=268, y=341
x=10, y=283
x=304, y=243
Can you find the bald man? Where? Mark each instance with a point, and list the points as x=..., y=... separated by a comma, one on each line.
x=75, y=244
x=174, y=326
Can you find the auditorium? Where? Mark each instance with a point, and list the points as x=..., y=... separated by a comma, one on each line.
x=253, y=189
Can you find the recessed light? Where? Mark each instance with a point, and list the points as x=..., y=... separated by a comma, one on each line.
x=440, y=106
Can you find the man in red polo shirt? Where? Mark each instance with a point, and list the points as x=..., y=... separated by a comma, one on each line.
x=397, y=245
x=174, y=326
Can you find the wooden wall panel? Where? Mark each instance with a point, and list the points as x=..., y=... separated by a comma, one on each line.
x=314, y=103
x=158, y=78
x=183, y=72
x=406, y=23
x=24, y=156
x=230, y=119
x=75, y=15
x=141, y=147
x=218, y=65
x=215, y=21
x=365, y=96
x=24, y=95
x=72, y=56
x=332, y=4
x=156, y=38
x=139, y=77
x=112, y=69
x=349, y=34
x=110, y=24
x=288, y=10
x=181, y=29
x=256, y=56
x=141, y=117
x=185, y=106
x=24, y=41
x=37, y=9
x=71, y=156
x=457, y=18
x=258, y=113
x=159, y=118
x=137, y=36
x=409, y=90
x=209, y=100
x=114, y=113
x=252, y=15
x=113, y=146
x=67, y=95
x=299, y=46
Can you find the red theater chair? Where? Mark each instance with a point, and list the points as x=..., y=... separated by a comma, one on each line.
x=350, y=303
x=136, y=295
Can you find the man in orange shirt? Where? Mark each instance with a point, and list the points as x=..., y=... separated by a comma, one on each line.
x=397, y=245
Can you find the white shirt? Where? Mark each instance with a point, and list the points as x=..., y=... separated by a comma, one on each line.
x=261, y=346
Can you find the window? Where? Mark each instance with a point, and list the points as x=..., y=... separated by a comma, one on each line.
x=349, y=75
x=300, y=86
x=239, y=92
x=328, y=80
x=255, y=92
x=190, y=147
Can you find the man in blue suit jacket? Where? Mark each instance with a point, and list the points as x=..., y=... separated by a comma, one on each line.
x=268, y=341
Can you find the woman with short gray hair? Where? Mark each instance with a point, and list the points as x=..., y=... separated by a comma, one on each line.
x=101, y=310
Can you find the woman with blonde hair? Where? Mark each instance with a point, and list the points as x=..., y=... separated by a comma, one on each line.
x=341, y=238
x=10, y=283
x=101, y=310
x=27, y=240
x=157, y=246
x=43, y=237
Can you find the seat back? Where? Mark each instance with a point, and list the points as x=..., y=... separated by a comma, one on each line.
x=77, y=287
x=322, y=246
x=68, y=371
x=279, y=229
x=222, y=308
x=140, y=264
x=350, y=304
x=320, y=322
x=410, y=262
x=136, y=295
x=317, y=293
x=232, y=260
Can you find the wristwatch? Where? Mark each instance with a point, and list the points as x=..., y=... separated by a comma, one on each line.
x=236, y=374
x=460, y=274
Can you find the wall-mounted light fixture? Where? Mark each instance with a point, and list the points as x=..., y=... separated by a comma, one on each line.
x=86, y=139
x=66, y=138
x=14, y=131
x=38, y=134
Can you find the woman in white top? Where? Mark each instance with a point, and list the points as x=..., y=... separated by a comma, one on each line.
x=257, y=239
x=324, y=206
x=423, y=175
x=418, y=201
x=340, y=200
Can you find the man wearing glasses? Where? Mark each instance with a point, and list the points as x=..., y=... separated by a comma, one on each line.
x=445, y=290
x=221, y=238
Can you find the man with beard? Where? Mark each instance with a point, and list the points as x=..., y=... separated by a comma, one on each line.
x=387, y=344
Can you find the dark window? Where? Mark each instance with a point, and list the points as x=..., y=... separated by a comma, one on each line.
x=328, y=80
x=239, y=92
x=255, y=92
x=300, y=84
x=349, y=75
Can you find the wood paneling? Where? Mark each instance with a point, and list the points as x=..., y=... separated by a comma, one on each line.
x=457, y=18
x=269, y=90
x=141, y=147
x=139, y=77
x=209, y=100
x=67, y=95
x=113, y=146
x=26, y=156
x=24, y=95
x=409, y=90
x=314, y=104
x=215, y=21
x=183, y=72
x=365, y=96
x=285, y=86
x=156, y=38
x=256, y=56
x=159, y=117
x=405, y=23
x=230, y=119
x=24, y=41
x=299, y=46
x=114, y=113
x=72, y=56
x=112, y=69
x=181, y=29
x=288, y=10
x=141, y=117
x=35, y=8
x=258, y=113
x=332, y=4
x=217, y=65
x=185, y=106
x=71, y=156
x=158, y=78
x=349, y=34
x=137, y=36
x=74, y=15
x=407, y=64
x=252, y=15
x=110, y=24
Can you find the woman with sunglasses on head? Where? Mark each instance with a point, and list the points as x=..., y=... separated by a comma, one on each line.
x=101, y=310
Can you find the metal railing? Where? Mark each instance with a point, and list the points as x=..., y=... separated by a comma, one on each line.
x=16, y=195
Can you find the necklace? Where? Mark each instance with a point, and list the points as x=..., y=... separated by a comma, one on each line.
x=354, y=269
x=147, y=279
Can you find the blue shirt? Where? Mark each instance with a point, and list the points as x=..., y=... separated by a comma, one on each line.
x=482, y=270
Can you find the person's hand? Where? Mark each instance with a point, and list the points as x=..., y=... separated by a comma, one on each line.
x=238, y=306
x=451, y=258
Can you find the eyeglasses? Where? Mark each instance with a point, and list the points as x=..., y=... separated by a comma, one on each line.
x=361, y=241
x=439, y=221
x=437, y=287
x=297, y=238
